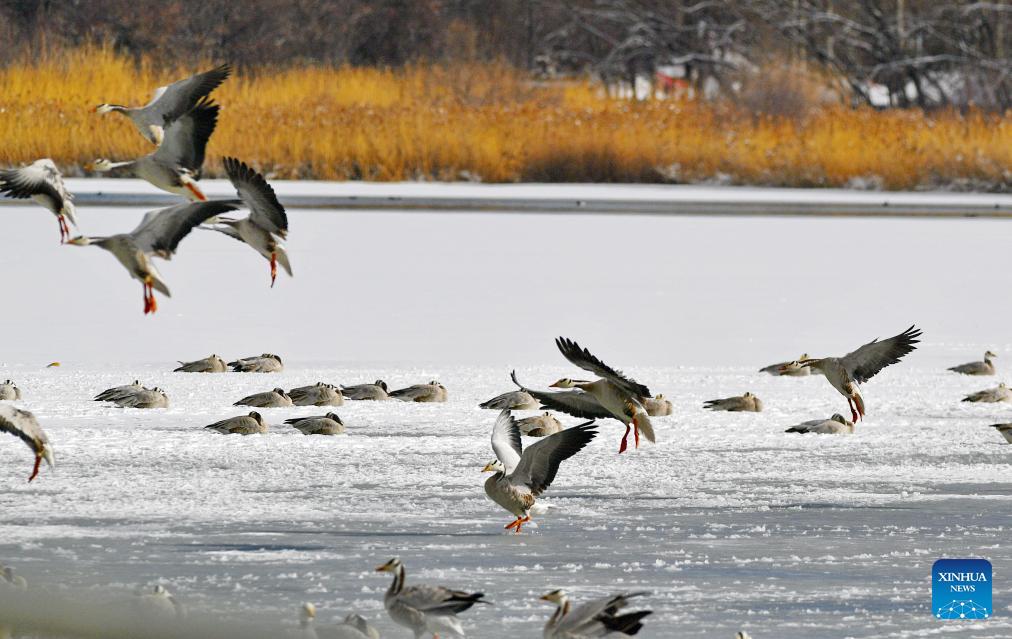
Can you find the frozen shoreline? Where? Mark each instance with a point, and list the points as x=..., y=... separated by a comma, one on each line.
x=639, y=199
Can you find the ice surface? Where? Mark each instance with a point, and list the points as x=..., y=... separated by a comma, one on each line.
x=728, y=521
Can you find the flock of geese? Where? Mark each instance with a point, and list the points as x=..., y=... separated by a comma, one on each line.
x=179, y=120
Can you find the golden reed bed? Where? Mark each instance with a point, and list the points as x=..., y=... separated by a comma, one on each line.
x=491, y=123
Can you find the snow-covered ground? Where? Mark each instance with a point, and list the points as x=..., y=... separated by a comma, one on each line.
x=729, y=522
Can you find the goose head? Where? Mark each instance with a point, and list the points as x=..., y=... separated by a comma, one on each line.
x=494, y=466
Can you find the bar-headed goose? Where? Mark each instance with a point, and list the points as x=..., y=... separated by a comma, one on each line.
x=158, y=235
x=143, y=398
x=210, y=364
x=329, y=424
x=539, y=425
x=252, y=424
x=835, y=425
x=1000, y=393
x=431, y=392
x=378, y=390
x=266, y=363
x=658, y=406
x=596, y=618
x=175, y=165
x=116, y=392
x=425, y=609
x=169, y=103
x=23, y=425
x=42, y=182
x=353, y=626
x=747, y=403
x=1005, y=430
x=788, y=369
x=319, y=394
x=513, y=400
x=977, y=368
x=270, y=399
x=9, y=391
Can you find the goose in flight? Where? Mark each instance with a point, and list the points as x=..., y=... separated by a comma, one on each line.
x=117, y=392
x=23, y=424
x=210, y=364
x=1000, y=393
x=788, y=369
x=658, y=406
x=175, y=165
x=747, y=403
x=977, y=368
x=596, y=618
x=835, y=425
x=267, y=224
x=375, y=391
x=266, y=363
x=513, y=400
x=158, y=235
x=848, y=372
x=539, y=425
x=520, y=476
x=169, y=103
x=271, y=399
x=425, y=609
x=42, y=182
x=353, y=626
x=9, y=391
x=431, y=392
x=1005, y=430
x=329, y=424
x=319, y=394
x=252, y=424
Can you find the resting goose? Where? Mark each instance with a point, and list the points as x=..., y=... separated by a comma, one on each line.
x=847, y=372
x=142, y=398
x=835, y=425
x=539, y=425
x=158, y=603
x=267, y=224
x=169, y=103
x=375, y=391
x=520, y=476
x=425, y=609
x=1000, y=393
x=175, y=165
x=117, y=392
x=353, y=626
x=596, y=618
x=42, y=182
x=318, y=394
x=431, y=392
x=747, y=403
x=329, y=424
x=252, y=424
x=23, y=425
x=271, y=399
x=210, y=364
x=513, y=400
x=9, y=391
x=977, y=368
x=658, y=406
x=1005, y=430
x=158, y=235
x=266, y=363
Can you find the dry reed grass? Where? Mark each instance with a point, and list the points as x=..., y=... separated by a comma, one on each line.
x=492, y=123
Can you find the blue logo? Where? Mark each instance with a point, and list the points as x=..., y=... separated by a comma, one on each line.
x=961, y=589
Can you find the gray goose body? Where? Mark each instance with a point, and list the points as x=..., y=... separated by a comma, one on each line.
x=210, y=364
x=9, y=391
x=266, y=363
x=539, y=425
x=423, y=393
x=513, y=400
x=25, y=427
x=835, y=425
x=329, y=424
x=375, y=391
x=142, y=398
x=425, y=609
x=1005, y=430
x=353, y=626
x=252, y=424
x=42, y=182
x=1000, y=393
x=658, y=406
x=276, y=398
x=117, y=392
x=747, y=403
x=318, y=394
x=595, y=618
x=985, y=367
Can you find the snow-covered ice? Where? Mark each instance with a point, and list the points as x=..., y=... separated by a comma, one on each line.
x=728, y=521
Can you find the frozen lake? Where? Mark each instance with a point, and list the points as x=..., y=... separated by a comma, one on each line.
x=729, y=522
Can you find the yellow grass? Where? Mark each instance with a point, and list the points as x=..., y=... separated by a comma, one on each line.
x=489, y=122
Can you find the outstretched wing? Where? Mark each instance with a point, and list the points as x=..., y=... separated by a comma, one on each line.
x=573, y=402
x=186, y=138
x=506, y=441
x=169, y=103
x=161, y=231
x=265, y=210
x=33, y=180
x=867, y=361
x=584, y=359
x=540, y=462
x=23, y=425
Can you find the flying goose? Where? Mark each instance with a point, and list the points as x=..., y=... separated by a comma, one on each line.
x=788, y=369
x=252, y=424
x=513, y=400
x=539, y=425
x=142, y=398
x=329, y=424
x=596, y=618
x=267, y=224
x=747, y=403
x=375, y=391
x=175, y=165
x=117, y=392
x=1005, y=430
x=353, y=626
x=271, y=399
x=23, y=424
x=169, y=103
x=9, y=391
x=848, y=372
x=520, y=476
x=977, y=368
x=318, y=394
x=210, y=364
x=835, y=425
x=431, y=392
x=1000, y=393
x=158, y=234
x=42, y=182
x=658, y=406
x=425, y=609
x=266, y=363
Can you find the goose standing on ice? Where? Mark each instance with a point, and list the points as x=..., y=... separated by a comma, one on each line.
x=520, y=476
x=431, y=392
x=597, y=618
x=747, y=403
x=9, y=391
x=539, y=425
x=329, y=424
x=42, y=182
x=378, y=390
x=788, y=369
x=425, y=609
x=318, y=394
x=835, y=425
x=23, y=425
x=848, y=372
x=252, y=424
x=158, y=235
x=175, y=165
x=266, y=363
x=977, y=368
x=1005, y=430
x=513, y=400
x=276, y=398
x=267, y=224
x=1000, y=393
x=169, y=103
x=211, y=364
